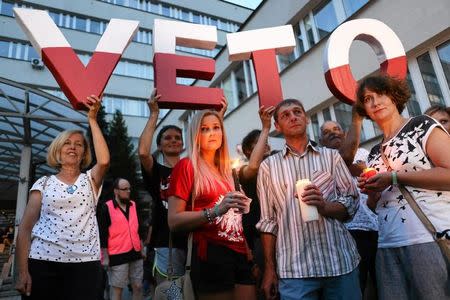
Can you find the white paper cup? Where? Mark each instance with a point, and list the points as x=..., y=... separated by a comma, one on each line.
x=309, y=212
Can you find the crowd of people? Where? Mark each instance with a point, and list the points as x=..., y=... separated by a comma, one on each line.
x=251, y=238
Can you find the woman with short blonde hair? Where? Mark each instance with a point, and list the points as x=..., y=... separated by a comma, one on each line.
x=54, y=150
x=58, y=247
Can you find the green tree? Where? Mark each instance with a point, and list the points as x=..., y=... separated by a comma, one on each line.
x=123, y=163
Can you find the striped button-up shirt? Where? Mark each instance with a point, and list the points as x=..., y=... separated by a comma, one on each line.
x=307, y=249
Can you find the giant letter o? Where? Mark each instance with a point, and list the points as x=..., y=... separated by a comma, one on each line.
x=379, y=36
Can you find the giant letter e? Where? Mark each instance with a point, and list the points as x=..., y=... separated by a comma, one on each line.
x=168, y=65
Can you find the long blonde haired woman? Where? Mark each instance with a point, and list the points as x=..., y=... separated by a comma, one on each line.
x=220, y=268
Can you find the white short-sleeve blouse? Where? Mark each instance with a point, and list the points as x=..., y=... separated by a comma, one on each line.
x=67, y=229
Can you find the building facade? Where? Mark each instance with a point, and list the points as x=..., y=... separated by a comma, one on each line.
x=83, y=22
x=423, y=28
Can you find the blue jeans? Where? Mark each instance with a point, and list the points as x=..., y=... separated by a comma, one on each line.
x=344, y=287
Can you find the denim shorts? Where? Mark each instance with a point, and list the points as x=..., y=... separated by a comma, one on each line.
x=162, y=260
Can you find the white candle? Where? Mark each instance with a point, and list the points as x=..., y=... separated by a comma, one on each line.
x=309, y=212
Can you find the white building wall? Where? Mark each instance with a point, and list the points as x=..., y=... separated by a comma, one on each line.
x=419, y=25
x=118, y=86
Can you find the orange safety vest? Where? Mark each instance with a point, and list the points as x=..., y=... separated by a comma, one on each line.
x=123, y=233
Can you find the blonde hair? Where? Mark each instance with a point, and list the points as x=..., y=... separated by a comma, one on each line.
x=54, y=150
x=204, y=179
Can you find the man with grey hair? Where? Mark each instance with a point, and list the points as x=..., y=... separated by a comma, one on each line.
x=364, y=226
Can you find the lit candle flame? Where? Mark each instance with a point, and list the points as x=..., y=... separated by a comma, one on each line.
x=236, y=163
x=234, y=172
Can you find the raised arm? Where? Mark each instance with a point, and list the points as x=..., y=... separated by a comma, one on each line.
x=250, y=170
x=352, y=139
x=224, y=108
x=100, y=147
x=30, y=217
x=145, y=141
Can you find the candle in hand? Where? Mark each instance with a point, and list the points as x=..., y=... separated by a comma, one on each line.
x=369, y=172
x=309, y=212
x=234, y=172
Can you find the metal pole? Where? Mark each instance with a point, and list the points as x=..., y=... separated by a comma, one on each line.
x=22, y=192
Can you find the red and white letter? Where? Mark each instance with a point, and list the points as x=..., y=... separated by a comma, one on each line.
x=76, y=80
x=168, y=65
x=262, y=45
x=379, y=36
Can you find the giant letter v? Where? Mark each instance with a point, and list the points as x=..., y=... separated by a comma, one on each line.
x=76, y=81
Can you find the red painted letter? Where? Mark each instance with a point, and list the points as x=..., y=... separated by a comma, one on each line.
x=383, y=41
x=76, y=81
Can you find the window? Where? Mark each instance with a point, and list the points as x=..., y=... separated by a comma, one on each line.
x=240, y=81
x=227, y=87
x=155, y=8
x=54, y=16
x=309, y=30
x=326, y=114
x=6, y=8
x=80, y=24
x=95, y=27
x=351, y=6
x=325, y=19
x=4, y=48
x=300, y=42
x=412, y=105
x=32, y=53
x=315, y=127
x=165, y=10
x=285, y=60
x=444, y=56
x=343, y=114
x=430, y=80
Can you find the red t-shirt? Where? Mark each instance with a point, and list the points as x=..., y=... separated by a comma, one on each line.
x=226, y=230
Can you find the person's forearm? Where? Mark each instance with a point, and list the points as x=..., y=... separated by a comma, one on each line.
x=145, y=142
x=372, y=200
x=257, y=155
x=437, y=178
x=351, y=142
x=23, y=249
x=100, y=146
x=268, y=242
x=334, y=210
x=186, y=220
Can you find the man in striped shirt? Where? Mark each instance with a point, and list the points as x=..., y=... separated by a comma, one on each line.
x=313, y=259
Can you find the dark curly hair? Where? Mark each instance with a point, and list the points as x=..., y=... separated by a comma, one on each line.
x=394, y=88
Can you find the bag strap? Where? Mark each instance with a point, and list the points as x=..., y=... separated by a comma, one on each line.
x=440, y=240
x=412, y=203
x=45, y=182
x=189, y=252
